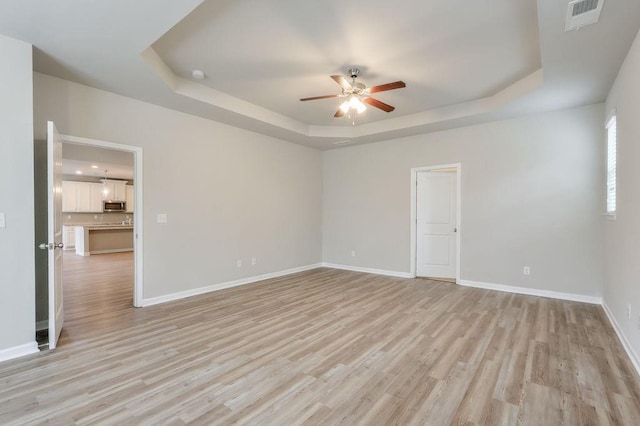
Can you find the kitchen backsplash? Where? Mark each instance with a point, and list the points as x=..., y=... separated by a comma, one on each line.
x=94, y=218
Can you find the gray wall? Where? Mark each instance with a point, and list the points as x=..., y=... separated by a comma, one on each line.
x=229, y=194
x=531, y=195
x=622, y=284
x=17, y=293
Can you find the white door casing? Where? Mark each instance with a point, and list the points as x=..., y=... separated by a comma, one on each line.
x=54, y=233
x=436, y=224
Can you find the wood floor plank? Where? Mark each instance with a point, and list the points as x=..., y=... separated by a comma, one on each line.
x=320, y=347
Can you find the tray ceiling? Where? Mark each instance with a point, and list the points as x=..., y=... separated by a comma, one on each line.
x=463, y=62
x=273, y=53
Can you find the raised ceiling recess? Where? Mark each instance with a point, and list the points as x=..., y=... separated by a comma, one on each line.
x=261, y=56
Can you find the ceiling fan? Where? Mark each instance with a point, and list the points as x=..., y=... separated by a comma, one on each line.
x=357, y=94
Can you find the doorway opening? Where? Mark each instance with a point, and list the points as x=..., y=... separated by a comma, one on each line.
x=435, y=222
x=101, y=216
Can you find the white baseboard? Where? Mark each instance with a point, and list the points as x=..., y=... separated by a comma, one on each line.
x=18, y=351
x=368, y=270
x=635, y=360
x=222, y=286
x=42, y=325
x=534, y=292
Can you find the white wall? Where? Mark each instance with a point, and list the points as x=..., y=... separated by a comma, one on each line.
x=229, y=194
x=17, y=291
x=531, y=195
x=622, y=284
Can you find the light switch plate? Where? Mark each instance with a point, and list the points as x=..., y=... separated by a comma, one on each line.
x=162, y=218
x=3, y=222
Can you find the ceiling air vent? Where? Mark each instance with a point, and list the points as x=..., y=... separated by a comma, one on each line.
x=581, y=13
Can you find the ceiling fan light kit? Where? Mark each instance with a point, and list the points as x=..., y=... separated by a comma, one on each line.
x=354, y=103
x=357, y=94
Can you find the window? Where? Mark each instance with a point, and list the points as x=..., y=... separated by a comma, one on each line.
x=611, y=165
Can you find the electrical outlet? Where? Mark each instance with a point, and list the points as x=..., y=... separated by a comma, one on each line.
x=239, y=263
x=629, y=311
x=353, y=253
x=162, y=218
x=254, y=261
x=526, y=270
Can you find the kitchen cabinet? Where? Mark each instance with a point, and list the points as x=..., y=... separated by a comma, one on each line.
x=99, y=239
x=114, y=190
x=96, y=197
x=129, y=198
x=69, y=237
x=69, y=196
x=81, y=197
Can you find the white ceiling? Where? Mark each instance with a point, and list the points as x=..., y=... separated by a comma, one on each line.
x=463, y=62
x=93, y=161
x=102, y=169
x=272, y=53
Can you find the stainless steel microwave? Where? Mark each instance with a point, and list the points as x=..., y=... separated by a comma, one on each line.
x=113, y=206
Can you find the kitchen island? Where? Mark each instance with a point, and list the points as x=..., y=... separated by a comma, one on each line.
x=107, y=238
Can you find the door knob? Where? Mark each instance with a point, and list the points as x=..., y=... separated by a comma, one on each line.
x=50, y=246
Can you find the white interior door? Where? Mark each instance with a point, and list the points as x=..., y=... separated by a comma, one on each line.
x=54, y=244
x=436, y=200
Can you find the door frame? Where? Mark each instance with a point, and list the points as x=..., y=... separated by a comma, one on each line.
x=414, y=212
x=138, y=289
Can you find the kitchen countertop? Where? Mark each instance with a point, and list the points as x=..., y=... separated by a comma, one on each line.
x=99, y=226
x=100, y=238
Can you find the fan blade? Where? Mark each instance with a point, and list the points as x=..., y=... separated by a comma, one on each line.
x=319, y=97
x=376, y=103
x=388, y=86
x=343, y=82
x=339, y=113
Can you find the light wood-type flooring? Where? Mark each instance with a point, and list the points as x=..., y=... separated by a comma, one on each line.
x=321, y=347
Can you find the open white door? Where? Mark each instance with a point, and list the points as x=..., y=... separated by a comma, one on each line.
x=54, y=230
x=436, y=201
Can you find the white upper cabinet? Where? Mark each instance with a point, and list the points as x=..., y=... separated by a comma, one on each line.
x=96, y=197
x=121, y=192
x=108, y=190
x=114, y=190
x=77, y=197
x=83, y=197
x=87, y=197
x=129, y=198
x=69, y=196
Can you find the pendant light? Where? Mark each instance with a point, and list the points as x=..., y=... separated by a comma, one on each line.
x=105, y=188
